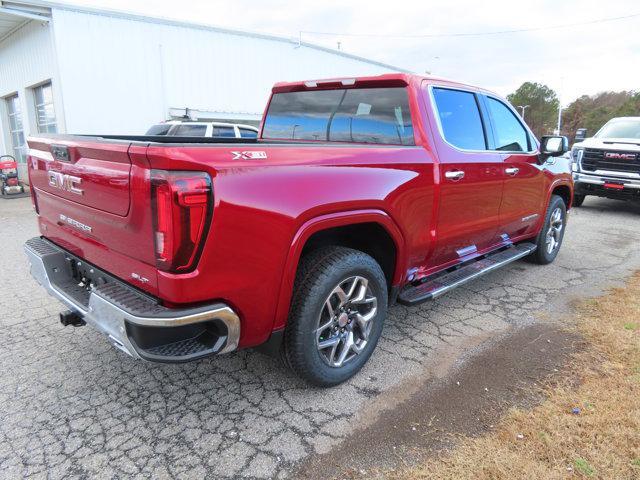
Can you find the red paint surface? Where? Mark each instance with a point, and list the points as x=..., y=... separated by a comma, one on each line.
x=265, y=209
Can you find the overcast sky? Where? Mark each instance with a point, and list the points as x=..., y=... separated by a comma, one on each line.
x=573, y=60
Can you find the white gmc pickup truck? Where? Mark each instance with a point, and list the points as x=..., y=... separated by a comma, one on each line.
x=608, y=164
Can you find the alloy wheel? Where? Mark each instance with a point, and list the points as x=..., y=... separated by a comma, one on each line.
x=345, y=321
x=554, y=233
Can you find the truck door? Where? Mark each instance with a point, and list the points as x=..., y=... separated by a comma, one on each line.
x=523, y=195
x=471, y=177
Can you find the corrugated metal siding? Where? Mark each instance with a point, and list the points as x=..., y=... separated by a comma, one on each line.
x=26, y=59
x=120, y=75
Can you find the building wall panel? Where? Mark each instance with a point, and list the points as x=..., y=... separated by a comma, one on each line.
x=26, y=59
x=122, y=75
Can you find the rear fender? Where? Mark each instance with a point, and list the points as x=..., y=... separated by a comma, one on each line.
x=325, y=222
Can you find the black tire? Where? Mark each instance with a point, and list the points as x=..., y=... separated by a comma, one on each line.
x=578, y=200
x=542, y=255
x=319, y=274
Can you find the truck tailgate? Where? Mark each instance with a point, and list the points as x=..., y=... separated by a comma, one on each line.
x=92, y=196
x=88, y=173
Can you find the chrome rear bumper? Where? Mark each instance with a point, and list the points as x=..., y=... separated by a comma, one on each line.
x=131, y=320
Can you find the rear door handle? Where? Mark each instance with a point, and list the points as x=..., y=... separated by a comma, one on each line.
x=454, y=175
x=511, y=171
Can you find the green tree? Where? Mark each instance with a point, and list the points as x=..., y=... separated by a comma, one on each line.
x=592, y=112
x=542, y=113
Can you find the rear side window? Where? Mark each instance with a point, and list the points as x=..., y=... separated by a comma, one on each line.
x=510, y=135
x=460, y=118
x=366, y=115
x=186, y=130
x=225, y=132
x=246, y=133
x=160, y=129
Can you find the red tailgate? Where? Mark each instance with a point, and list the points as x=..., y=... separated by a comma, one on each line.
x=88, y=173
x=93, y=199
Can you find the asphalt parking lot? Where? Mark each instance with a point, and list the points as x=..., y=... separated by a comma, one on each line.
x=73, y=406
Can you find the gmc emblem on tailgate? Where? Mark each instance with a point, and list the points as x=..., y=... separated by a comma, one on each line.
x=68, y=183
x=620, y=156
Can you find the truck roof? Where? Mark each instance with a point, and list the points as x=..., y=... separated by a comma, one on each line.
x=384, y=80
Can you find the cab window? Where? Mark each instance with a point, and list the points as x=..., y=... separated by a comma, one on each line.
x=460, y=119
x=510, y=135
x=360, y=115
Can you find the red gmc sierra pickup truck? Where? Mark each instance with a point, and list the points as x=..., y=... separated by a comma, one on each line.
x=358, y=193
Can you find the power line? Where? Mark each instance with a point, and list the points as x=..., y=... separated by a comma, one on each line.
x=472, y=34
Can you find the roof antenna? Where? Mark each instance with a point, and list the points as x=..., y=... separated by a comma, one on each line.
x=299, y=39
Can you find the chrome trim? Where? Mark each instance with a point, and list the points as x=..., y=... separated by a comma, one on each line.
x=511, y=171
x=463, y=252
x=110, y=319
x=597, y=180
x=454, y=175
x=611, y=173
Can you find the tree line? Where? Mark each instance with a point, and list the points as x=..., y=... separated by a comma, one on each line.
x=588, y=111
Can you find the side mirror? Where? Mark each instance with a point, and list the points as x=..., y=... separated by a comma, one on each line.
x=581, y=134
x=553, y=146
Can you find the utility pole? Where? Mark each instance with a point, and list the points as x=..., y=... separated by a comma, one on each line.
x=558, y=129
x=522, y=109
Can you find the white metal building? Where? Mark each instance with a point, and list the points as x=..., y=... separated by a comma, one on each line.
x=65, y=68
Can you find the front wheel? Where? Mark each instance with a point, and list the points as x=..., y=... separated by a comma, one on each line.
x=337, y=314
x=578, y=200
x=549, y=239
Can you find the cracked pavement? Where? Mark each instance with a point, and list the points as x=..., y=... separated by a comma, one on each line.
x=72, y=406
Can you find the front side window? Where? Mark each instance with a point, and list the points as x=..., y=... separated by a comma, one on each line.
x=45, y=113
x=16, y=129
x=510, y=135
x=363, y=115
x=460, y=118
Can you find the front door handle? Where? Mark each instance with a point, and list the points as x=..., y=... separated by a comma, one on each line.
x=454, y=175
x=511, y=171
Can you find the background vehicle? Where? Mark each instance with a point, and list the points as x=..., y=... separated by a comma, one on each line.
x=581, y=134
x=359, y=193
x=608, y=164
x=9, y=182
x=203, y=129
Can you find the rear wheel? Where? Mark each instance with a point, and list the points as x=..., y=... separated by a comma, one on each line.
x=578, y=200
x=549, y=239
x=337, y=315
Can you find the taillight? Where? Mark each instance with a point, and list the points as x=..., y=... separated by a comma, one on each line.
x=182, y=203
